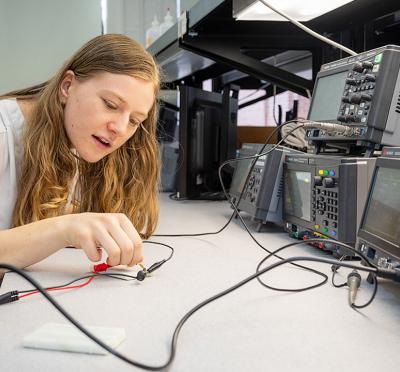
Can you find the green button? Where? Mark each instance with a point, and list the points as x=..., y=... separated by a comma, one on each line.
x=326, y=173
x=325, y=229
x=378, y=58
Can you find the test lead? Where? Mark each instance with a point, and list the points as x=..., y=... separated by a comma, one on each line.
x=11, y=296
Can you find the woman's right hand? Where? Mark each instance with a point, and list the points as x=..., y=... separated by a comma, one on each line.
x=113, y=232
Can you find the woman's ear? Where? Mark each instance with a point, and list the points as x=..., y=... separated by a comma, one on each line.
x=66, y=83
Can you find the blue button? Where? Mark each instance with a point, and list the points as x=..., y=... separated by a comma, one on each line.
x=332, y=173
x=333, y=233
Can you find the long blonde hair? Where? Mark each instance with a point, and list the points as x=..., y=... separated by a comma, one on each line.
x=125, y=181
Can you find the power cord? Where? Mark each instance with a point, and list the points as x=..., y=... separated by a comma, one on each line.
x=384, y=273
x=308, y=30
x=334, y=269
x=98, y=270
x=254, y=158
x=354, y=279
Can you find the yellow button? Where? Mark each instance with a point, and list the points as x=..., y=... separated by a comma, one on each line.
x=321, y=172
x=316, y=227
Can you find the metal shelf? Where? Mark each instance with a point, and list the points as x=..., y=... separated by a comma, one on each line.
x=210, y=43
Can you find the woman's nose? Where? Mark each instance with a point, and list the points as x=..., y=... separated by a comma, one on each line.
x=118, y=126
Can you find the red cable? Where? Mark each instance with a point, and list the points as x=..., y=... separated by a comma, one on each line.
x=61, y=288
x=96, y=269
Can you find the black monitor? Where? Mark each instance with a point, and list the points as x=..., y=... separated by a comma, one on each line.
x=379, y=232
x=207, y=137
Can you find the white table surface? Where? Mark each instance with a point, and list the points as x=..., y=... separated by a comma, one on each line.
x=251, y=329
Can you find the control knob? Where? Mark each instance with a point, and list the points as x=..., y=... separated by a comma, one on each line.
x=355, y=98
x=317, y=181
x=367, y=64
x=366, y=97
x=328, y=182
x=370, y=77
x=358, y=66
x=351, y=81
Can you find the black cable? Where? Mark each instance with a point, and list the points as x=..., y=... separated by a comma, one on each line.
x=375, y=282
x=61, y=285
x=236, y=211
x=242, y=192
x=119, y=276
x=114, y=275
x=373, y=276
x=385, y=273
x=334, y=270
x=163, y=244
x=254, y=158
x=274, y=253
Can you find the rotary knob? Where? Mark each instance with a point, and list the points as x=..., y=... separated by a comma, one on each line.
x=328, y=182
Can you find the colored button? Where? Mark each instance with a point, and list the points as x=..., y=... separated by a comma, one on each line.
x=326, y=173
x=321, y=172
x=325, y=229
x=316, y=227
x=378, y=58
x=332, y=173
x=333, y=232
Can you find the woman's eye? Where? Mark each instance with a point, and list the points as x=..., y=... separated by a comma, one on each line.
x=134, y=122
x=109, y=104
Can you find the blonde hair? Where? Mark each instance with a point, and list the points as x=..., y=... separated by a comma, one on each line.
x=125, y=181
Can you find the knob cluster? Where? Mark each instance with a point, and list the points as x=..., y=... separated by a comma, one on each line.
x=358, y=93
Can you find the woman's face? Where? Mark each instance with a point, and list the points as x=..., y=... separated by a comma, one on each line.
x=101, y=113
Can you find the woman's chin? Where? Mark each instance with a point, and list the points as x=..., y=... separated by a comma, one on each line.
x=90, y=157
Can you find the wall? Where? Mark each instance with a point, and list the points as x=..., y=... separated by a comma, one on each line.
x=36, y=37
x=134, y=17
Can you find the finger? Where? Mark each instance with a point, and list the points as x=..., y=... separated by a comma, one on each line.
x=137, y=255
x=128, y=227
x=125, y=244
x=88, y=245
x=106, y=241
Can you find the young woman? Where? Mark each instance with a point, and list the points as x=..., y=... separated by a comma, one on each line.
x=79, y=162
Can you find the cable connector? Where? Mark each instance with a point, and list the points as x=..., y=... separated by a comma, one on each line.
x=142, y=274
x=155, y=266
x=353, y=282
x=100, y=267
x=11, y=296
x=330, y=127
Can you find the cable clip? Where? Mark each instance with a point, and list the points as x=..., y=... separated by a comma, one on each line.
x=100, y=267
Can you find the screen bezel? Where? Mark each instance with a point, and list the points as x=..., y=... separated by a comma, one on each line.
x=370, y=238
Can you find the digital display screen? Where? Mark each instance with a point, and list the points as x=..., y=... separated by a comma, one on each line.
x=382, y=216
x=297, y=186
x=327, y=97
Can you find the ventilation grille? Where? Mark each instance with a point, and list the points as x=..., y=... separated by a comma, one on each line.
x=280, y=189
x=398, y=104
